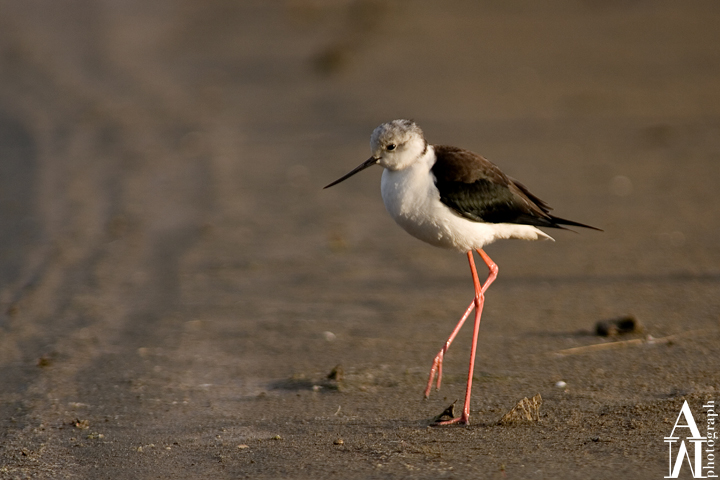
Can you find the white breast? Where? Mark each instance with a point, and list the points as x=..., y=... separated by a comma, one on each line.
x=412, y=199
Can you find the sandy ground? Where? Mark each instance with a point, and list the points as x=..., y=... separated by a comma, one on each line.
x=175, y=286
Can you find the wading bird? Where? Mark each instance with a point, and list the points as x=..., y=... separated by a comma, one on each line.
x=455, y=199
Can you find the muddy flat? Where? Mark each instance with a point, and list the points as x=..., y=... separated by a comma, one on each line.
x=177, y=289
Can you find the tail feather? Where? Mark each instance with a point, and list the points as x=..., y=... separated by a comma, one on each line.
x=558, y=222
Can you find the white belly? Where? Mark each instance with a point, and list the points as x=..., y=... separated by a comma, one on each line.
x=411, y=198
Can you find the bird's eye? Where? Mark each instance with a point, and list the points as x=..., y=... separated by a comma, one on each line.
x=391, y=147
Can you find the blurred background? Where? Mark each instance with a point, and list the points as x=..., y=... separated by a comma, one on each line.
x=164, y=235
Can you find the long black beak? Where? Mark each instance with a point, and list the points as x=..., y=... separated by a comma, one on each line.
x=367, y=163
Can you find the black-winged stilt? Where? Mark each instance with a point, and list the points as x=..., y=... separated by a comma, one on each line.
x=453, y=198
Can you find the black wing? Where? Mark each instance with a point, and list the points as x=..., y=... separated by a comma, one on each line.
x=478, y=190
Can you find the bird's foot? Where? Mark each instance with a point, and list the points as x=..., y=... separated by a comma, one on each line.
x=436, y=368
x=461, y=420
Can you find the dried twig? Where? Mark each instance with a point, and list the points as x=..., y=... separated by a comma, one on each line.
x=627, y=343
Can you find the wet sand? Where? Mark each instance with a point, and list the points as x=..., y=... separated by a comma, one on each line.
x=175, y=285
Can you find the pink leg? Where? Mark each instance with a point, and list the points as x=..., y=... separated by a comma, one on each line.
x=478, y=303
x=438, y=360
x=491, y=266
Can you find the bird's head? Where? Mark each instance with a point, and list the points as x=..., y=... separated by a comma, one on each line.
x=395, y=145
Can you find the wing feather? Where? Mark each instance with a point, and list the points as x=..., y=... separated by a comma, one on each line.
x=477, y=189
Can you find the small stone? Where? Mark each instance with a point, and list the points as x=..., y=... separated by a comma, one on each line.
x=44, y=361
x=242, y=446
x=447, y=414
x=277, y=437
x=81, y=424
x=339, y=441
x=561, y=384
x=336, y=373
x=618, y=326
x=526, y=410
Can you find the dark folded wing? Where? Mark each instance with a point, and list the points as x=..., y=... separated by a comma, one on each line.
x=478, y=190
